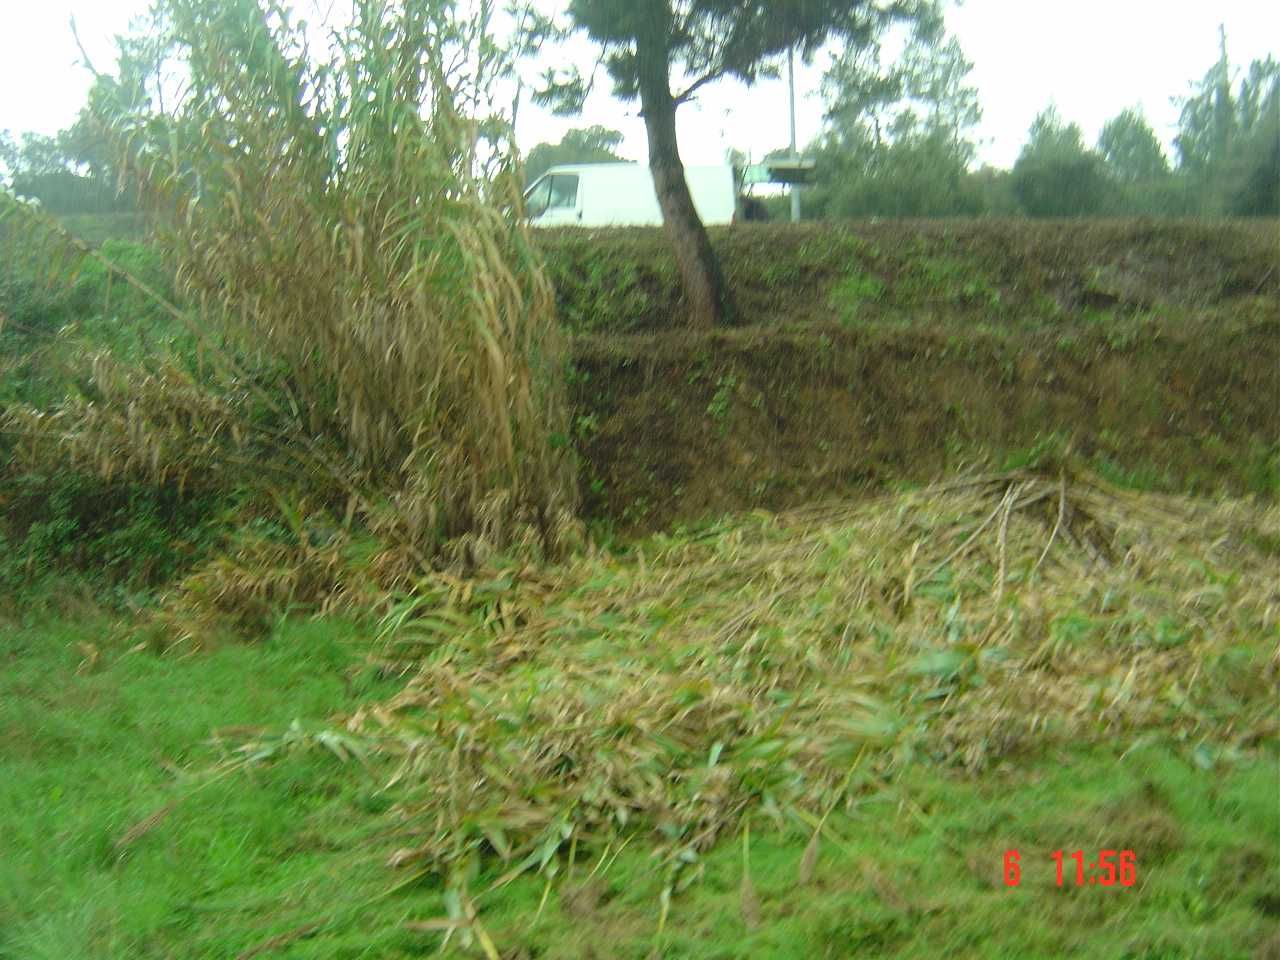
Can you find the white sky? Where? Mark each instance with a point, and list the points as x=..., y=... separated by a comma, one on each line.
x=1092, y=58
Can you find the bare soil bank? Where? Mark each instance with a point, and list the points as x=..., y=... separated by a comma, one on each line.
x=1149, y=351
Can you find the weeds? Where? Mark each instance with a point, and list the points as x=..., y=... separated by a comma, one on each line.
x=124, y=541
x=722, y=399
x=850, y=294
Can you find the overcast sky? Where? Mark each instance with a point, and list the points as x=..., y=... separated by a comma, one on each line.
x=1092, y=58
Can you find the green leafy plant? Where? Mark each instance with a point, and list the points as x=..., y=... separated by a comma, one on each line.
x=121, y=538
x=722, y=399
x=849, y=295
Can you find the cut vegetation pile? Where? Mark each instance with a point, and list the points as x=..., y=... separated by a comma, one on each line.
x=786, y=664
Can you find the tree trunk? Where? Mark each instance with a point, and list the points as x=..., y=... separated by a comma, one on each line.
x=700, y=273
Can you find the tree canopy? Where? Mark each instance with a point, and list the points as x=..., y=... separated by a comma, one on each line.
x=704, y=41
x=1229, y=137
x=593, y=144
x=1130, y=148
x=662, y=52
x=898, y=139
x=1056, y=175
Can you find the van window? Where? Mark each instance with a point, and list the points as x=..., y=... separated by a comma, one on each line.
x=538, y=197
x=557, y=191
x=564, y=190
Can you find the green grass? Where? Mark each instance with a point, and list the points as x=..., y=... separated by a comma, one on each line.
x=296, y=849
x=88, y=757
x=852, y=292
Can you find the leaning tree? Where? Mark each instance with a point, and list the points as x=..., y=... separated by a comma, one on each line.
x=662, y=52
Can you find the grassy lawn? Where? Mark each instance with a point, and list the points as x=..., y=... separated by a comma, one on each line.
x=111, y=847
x=217, y=804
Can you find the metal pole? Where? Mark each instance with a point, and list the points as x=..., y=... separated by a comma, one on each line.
x=791, y=81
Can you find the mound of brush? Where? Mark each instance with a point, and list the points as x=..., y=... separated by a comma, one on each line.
x=782, y=665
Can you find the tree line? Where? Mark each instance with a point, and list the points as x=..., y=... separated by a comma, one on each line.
x=898, y=140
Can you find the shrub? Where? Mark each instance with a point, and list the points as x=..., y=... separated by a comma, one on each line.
x=123, y=537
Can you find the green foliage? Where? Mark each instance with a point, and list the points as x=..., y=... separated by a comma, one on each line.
x=601, y=288
x=853, y=291
x=914, y=176
x=1228, y=140
x=1252, y=182
x=8, y=155
x=1056, y=175
x=1262, y=470
x=66, y=173
x=995, y=192
x=923, y=94
x=949, y=280
x=33, y=309
x=591, y=145
x=897, y=143
x=97, y=229
x=123, y=539
x=57, y=523
x=1131, y=150
x=1247, y=182
x=722, y=400
x=1209, y=122
x=703, y=43
x=67, y=192
x=1047, y=453
x=55, y=328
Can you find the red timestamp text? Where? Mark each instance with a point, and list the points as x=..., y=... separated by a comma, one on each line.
x=1112, y=868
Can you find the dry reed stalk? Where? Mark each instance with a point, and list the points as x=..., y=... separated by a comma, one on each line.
x=349, y=228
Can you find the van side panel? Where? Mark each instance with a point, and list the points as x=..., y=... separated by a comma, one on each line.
x=622, y=195
x=713, y=193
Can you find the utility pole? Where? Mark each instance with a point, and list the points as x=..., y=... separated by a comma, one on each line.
x=791, y=81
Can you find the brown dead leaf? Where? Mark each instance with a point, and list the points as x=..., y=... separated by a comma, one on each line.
x=92, y=659
x=584, y=899
x=749, y=903
x=141, y=829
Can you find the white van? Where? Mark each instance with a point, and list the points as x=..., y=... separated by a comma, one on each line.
x=622, y=195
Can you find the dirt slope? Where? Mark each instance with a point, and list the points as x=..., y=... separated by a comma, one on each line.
x=898, y=352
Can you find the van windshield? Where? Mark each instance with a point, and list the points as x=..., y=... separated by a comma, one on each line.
x=556, y=191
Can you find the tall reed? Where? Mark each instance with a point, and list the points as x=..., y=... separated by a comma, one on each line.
x=347, y=223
